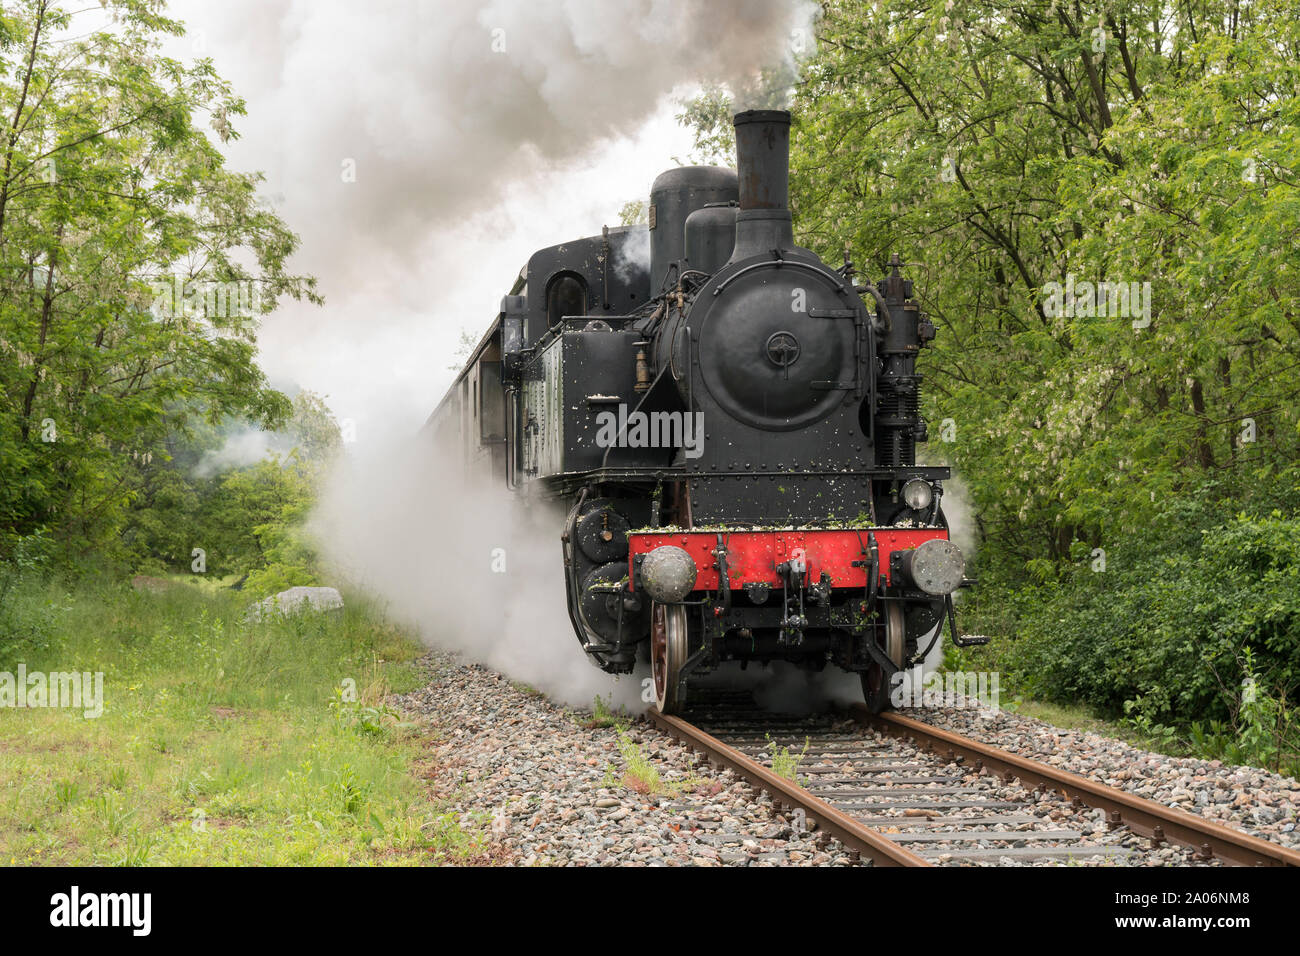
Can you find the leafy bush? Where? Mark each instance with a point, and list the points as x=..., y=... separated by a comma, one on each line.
x=1169, y=633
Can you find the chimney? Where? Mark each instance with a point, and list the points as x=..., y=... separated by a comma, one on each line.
x=763, y=165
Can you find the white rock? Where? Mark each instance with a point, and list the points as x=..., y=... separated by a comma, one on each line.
x=297, y=599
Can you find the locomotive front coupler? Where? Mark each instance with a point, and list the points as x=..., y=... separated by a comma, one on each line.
x=792, y=574
x=724, y=575
x=871, y=562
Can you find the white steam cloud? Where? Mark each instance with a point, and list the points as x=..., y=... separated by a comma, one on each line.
x=399, y=114
x=244, y=446
x=472, y=567
x=632, y=257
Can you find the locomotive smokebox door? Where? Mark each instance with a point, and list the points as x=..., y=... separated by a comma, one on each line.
x=773, y=345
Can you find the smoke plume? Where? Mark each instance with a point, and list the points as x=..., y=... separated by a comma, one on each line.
x=397, y=115
x=632, y=257
x=244, y=446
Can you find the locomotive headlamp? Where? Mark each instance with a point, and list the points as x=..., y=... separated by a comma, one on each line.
x=668, y=574
x=935, y=566
x=917, y=494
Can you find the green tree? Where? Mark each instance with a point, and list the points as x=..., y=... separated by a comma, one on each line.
x=708, y=116
x=246, y=517
x=634, y=212
x=134, y=266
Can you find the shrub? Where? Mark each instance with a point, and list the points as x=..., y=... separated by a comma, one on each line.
x=1165, y=636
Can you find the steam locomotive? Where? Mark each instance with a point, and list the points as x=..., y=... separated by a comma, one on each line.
x=731, y=425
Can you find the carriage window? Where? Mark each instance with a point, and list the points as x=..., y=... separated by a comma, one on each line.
x=492, y=403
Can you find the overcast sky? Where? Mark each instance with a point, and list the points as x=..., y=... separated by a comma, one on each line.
x=423, y=149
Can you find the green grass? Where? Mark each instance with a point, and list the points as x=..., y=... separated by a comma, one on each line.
x=1073, y=717
x=603, y=715
x=785, y=763
x=220, y=742
x=1203, y=743
x=640, y=775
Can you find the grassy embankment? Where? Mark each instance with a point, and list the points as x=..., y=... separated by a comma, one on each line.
x=220, y=742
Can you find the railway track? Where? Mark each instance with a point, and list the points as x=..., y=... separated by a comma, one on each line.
x=898, y=792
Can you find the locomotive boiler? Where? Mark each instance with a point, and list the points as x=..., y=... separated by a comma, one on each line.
x=731, y=424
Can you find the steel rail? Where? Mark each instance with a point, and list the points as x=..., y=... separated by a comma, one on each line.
x=881, y=850
x=1142, y=816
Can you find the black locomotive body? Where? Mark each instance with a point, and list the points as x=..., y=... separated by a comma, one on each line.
x=733, y=432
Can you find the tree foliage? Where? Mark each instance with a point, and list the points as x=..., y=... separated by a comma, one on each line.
x=134, y=266
x=246, y=516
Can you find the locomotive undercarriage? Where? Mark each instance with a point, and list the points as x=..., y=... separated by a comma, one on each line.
x=874, y=645
x=810, y=620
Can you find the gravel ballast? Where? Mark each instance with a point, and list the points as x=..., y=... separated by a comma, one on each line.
x=551, y=792
x=551, y=789
x=1263, y=804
